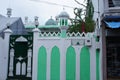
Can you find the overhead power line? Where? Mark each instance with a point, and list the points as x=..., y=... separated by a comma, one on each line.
x=51, y=3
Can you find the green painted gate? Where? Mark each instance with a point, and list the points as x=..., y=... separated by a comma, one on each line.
x=20, y=51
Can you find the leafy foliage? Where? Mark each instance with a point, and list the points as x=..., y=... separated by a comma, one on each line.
x=85, y=24
x=89, y=25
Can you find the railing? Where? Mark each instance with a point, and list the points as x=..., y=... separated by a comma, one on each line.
x=79, y=34
x=58, y=34
x=49, y=34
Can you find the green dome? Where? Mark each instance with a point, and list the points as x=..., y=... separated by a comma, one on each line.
x=51, y=22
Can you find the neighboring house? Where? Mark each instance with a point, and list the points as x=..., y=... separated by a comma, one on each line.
x=14, y=23
x=107, y=16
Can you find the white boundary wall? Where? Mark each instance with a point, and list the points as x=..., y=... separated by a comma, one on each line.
x=4, y=48
x=63, y=44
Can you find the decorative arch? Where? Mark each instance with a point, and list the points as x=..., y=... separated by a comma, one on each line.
x=55, y=64
x=18, y=67
x=23, y=68
x=70, y=63
x=21, y=39
x=42, y=63
x=85, y=64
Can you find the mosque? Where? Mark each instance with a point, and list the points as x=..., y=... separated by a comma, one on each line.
x=46, y=52
x=51, y=25
x=29, y=51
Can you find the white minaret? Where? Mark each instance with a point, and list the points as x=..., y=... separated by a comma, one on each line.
x=36, y=21
x=9, y=12
x=26, y=20
x=63, y=18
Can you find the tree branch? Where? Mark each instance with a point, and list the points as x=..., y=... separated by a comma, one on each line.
x=79, y=3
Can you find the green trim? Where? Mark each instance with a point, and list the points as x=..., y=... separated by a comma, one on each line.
x=42, y=63
x=66, y=22
x=97, y=65
x=60, y=22
x=63, y=34
x=42, y=26
x=70, y=64
x=85, y=64
x=55, y=64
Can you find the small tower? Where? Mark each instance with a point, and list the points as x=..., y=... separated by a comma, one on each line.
x=63, y=22
x=63, y=18
x=26, y=19
x=9, y=12
x=36, y=21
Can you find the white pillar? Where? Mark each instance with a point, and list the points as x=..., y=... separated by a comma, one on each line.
x=93, y=60
x=35, y=53
x=77, y=50
x=7, y=33
x=48, y=63
x=11, y=62
x=62, y=61
x=29, y=63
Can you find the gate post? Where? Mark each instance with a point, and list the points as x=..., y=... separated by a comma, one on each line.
x=35, y=53
x=7, y=33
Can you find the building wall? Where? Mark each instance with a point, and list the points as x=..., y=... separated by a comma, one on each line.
x=4, y=48
x=74, y=61
x=72, y=56
x=2, y=59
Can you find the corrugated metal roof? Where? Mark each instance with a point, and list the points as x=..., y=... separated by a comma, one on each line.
x=5, y=20
x=1, y=15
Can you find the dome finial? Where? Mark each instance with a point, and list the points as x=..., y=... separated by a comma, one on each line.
x=51, y=17
x=63, y=9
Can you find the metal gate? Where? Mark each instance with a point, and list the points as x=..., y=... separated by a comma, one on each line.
x=20, y=57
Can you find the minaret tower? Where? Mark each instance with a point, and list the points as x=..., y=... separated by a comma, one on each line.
x=63, y=18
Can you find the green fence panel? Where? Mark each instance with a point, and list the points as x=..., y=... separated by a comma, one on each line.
x=42, y=63
x=70, y=64
x=85, y=64
x=55, y=64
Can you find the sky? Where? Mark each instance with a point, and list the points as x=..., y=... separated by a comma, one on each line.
x=32, y=8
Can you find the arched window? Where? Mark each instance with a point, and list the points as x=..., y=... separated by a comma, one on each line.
x=23, y=68
x=18, y=68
